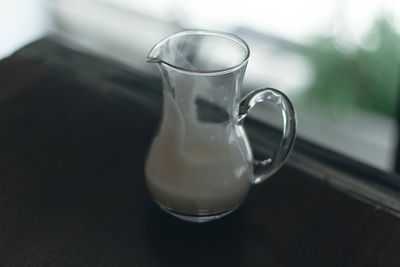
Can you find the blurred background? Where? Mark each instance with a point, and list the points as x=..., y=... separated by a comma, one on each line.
x=339, y=61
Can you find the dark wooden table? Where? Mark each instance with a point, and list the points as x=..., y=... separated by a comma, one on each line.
x=72, y=191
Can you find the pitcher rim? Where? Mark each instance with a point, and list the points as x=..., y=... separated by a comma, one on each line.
x=230, y=36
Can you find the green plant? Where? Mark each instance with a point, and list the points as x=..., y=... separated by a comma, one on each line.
x=364, y=78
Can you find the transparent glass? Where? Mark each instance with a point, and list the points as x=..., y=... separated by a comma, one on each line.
x=200, y=166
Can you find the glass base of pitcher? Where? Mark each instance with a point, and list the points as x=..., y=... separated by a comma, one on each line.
x=197, y=218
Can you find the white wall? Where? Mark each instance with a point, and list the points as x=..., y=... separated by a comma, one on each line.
x=21, y=22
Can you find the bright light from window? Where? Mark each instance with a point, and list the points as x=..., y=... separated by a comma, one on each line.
x=293, y=20
x=21, y=21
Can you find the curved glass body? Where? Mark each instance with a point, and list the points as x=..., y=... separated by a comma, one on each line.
x=200, y=164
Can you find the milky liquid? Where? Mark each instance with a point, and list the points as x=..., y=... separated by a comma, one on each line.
x=197, y=168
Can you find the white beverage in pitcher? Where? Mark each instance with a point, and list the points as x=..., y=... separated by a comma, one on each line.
x=187, y=173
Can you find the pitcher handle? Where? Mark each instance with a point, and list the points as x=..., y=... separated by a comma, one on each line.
x=265, y=168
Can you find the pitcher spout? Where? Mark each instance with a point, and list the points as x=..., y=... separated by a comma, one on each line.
x=153, y=60
x=153, y=57
x=156, y=53
x=172, y=51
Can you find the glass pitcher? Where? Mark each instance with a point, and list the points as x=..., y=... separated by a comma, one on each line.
x=200, y=166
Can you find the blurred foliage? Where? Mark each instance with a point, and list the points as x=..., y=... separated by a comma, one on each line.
x=367, y=78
